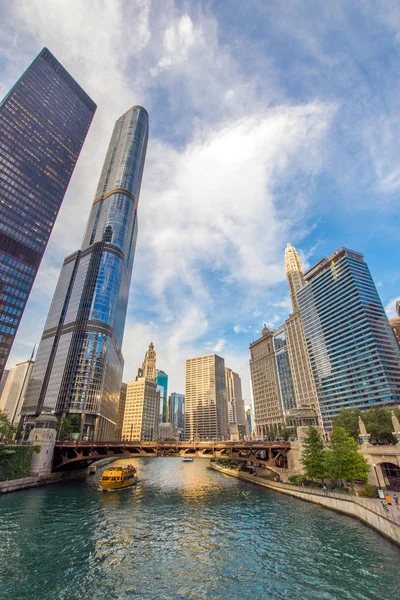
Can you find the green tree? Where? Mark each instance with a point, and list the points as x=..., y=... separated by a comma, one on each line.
x=76, y=423
x=287, y=433
x=5, y=424
x=378, y=422
x=274, y=432
x=313, y=453
x=396, y=411
x=64, y=428
x=348, y=419
x=342, y=459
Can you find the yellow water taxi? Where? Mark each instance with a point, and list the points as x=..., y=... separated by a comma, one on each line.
x=116, y=478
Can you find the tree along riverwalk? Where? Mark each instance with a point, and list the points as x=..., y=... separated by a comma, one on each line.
x=366, y=510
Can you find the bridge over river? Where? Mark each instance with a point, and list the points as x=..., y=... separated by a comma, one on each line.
x=78, y=455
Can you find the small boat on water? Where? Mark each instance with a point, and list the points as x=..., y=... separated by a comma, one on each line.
x=187, y=459
x=116, y=478
x=92, y=470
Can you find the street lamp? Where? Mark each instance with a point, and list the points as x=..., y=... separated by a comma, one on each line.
x=377, y=477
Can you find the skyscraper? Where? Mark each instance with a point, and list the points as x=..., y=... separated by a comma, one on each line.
x=176, y=405
x=268, y=409
x=79, y=362
x=162, y=386
x=294, y=273
x=236, y=414
x=14, y=390
x=395, y=324
x=142, y=406
x=300, y=366
x=44, y=120
x=354, y=355
x=121, y=412
x=206, y=412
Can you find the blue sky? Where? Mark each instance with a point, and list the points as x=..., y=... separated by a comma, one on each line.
x=269, y=122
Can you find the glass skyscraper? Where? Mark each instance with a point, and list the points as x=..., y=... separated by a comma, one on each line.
x=354, y=356
x=162, y=386
x=44, y=120
x=79, y=363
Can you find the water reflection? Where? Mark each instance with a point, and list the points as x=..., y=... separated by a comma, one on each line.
x=185, y=532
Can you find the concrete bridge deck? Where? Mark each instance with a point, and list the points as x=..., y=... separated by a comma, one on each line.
x=77, y=455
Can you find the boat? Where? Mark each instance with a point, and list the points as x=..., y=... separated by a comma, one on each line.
x=119, y=477
x=187, y=459
x=92, y=469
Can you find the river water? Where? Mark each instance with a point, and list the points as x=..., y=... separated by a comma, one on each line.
x=186, y=532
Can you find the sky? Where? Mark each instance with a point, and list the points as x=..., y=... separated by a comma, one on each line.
x=270, y=122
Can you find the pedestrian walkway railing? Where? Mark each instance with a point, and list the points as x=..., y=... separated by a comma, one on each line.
x=390, y=513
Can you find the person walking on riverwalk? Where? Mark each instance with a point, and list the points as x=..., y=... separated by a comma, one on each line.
x=396, y=501
x=385, y=505
x=388, y=500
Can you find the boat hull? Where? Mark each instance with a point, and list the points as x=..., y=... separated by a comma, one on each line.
x=108, y=486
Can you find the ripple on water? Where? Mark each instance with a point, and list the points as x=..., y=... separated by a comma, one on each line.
x=185, y=532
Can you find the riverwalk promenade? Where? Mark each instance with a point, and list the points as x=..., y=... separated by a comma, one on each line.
x=367, y=510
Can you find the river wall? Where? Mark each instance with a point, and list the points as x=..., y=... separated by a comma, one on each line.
x=364, y=509
x=15, y=485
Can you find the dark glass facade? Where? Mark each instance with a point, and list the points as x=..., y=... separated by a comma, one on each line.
x=44, y=120
x=354, y=356
x=162, y=387
x=285, y=380
x=79, y=362
x=177, y=410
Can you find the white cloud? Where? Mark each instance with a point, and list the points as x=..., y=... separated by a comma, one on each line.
x=178, y=39
x=390, y=308
x=213, y=215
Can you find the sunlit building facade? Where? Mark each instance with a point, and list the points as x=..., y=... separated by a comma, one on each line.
x=79, y=362
x=395, y=324
x=44, y=120
x=267, y=402
x=300, y=366
x=14, y=390
x=236, y=412
x=142, y=405
x=354, y=356
x=206, y=411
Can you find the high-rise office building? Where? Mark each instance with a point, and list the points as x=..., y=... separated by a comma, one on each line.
x=142, y=406
x=44, y=120
x=354, y=356
x=206, y=413
x=79, y=362
x=176, y=404
x=249, y=423
x=300, y=366
x=236, y=413
x=395, y=324
x=14, y=390
x=121, y=412
x=268, y=409
x=162, y=386
x=148, y=370
x=141, y=415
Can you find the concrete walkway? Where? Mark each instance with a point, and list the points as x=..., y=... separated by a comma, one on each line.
x=368, y=510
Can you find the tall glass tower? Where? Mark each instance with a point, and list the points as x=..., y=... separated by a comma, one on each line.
x=79, y=363
x=354, y=356
x=44, y=120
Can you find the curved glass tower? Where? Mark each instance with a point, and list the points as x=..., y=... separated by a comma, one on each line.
x=79, y=363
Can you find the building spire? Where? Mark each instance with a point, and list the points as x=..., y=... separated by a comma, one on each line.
x=294, y=273
x=148, y=370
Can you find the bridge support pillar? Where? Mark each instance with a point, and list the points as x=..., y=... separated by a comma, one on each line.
x=44, y=435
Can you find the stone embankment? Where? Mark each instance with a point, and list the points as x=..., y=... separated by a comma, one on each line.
x=366, y=510
x=15, y=485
